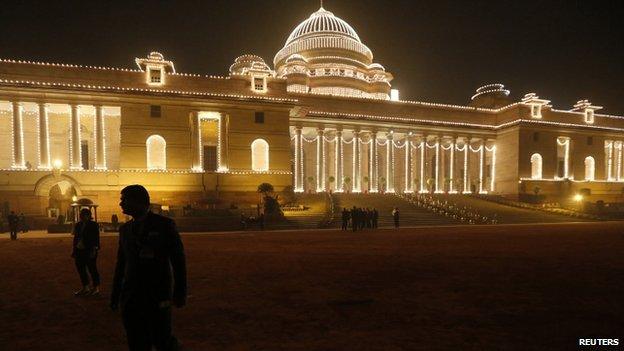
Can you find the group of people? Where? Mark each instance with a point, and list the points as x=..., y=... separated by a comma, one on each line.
x=16, y=224
x=359, y=218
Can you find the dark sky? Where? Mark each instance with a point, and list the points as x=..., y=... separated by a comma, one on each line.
x=438, y=50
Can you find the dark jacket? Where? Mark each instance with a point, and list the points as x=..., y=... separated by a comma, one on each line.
x=148, y=253
x=90, y=236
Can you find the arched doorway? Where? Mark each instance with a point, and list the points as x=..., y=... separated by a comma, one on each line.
x=61, y=196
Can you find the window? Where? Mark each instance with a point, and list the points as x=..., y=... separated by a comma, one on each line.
x=563, y=157
x=590, y=168
x=259, y=84
x=260, y=155
x=589, y=116
x=536, y=111
x=84, y=154
x=590, y=140
x=155, y=76
x=535, y=136
x=155, y=111
x=156, y=153
x=536, y=166
x=259, y=117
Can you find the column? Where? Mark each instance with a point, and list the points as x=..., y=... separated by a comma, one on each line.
x=356, y=162
x=320, y=160
x=452, y=168
x=374, y=165
x=618, y=147
x=44, y=137
x=466, y=164
x=390, y=163
x=409, y=187
x=437, y=165
x=339, y=162
x=493, y=168
x=223, y=143
x=481, y=166
x=298, y=161
x=100, y=139
x=76, y=155
x=423, y=146
x=18, y=136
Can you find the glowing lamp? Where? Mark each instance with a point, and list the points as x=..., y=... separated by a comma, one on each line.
x=578, y=197
x=57, y=164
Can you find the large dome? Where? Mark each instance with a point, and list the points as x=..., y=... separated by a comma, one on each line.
x=325, y=55
x=322, y=22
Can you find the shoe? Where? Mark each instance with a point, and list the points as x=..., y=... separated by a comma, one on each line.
x=82, y=292
x=94, y=292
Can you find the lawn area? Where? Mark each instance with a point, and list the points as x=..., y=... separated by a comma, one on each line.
x=525, y=287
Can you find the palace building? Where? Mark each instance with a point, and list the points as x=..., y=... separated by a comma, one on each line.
x=324, y=118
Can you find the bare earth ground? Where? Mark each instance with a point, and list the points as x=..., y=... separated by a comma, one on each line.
x=530, y=287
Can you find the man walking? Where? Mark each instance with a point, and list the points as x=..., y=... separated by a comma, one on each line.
x=395, y=216
x=13, y=225
x=86, y=244
x=345, y=218
x=150, y=260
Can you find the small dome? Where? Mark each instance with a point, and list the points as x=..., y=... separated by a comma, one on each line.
x=490, y=96
x=376, y=66
x=246, y=63
x=322, y=21
x=296, y=58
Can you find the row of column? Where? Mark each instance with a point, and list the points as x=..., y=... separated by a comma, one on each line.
x=373, y=169
x=43, y=137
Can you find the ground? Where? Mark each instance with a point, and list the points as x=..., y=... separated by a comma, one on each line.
x=523, y=287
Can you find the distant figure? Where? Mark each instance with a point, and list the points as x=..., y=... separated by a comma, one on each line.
x=375, y=218
x=150, y=274
x=395, y=216
x=85, y=249
x=345, y=218
x=22, y=223
x=355, y=217
x=13, y=222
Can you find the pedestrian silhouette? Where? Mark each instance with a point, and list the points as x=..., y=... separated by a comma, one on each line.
x=84, y=251
x=395, y=216
x=150, y=261
x=13, y=225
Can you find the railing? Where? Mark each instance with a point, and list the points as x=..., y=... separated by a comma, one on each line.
x=445, y=208
x=549, y=208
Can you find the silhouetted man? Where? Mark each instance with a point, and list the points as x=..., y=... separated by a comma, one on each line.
x=86, y=244
x=395, y=216
x=150, y=250
x=13, y=225
x=375, y=218
x=345, y=218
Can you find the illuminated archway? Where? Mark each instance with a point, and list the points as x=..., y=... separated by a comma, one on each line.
x=536, y=166
x=156, y=153
x=260, y=155
x=590, y=168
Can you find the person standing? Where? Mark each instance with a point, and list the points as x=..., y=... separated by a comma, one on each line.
x=23, y=226
x=150, y=274
x=355, y=217
x=395, y=216
x=375, y=218
x=345, y=218
x=13, y=225
x=85, y=249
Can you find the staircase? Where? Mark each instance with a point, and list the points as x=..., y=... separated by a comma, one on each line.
x=503, y=213
x=411, y=215
x=316, y=214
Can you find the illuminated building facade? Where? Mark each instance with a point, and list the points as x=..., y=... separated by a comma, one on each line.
x=324, y=119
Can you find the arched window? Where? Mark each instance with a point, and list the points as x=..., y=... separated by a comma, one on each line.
x=260, y=155
x=590, y=168
x=536, y=166
x=156, y=153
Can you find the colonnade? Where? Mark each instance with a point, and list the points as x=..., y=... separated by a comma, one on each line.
x=431, y=163
x=43, y=137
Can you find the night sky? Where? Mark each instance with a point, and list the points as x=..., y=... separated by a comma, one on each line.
x=438, y=51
